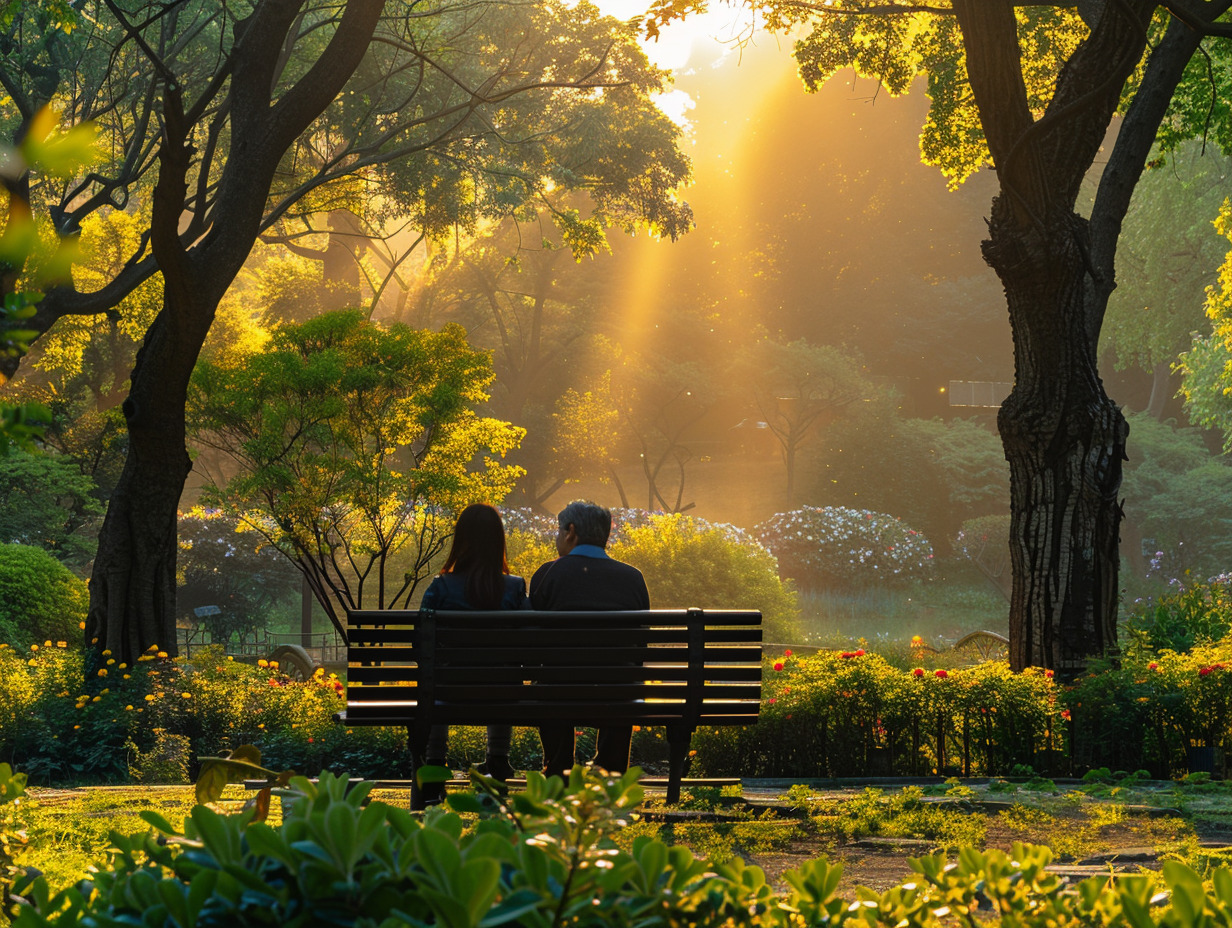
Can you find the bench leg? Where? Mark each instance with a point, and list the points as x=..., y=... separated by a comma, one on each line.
x=417, y=739
x=678, y=751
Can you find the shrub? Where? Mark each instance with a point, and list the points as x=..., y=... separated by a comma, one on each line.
x=1182, y=617
x=12, y=834
x=688, y=563
x=546, y=857
x=851, y=714
x=39, y=598
x=835, y=547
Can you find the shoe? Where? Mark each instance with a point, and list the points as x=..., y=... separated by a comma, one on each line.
x=433, y=793
x=499, y=767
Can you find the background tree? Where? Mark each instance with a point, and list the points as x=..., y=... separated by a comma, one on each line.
x=350, y=444
x=1169, y=253
x=215, y=100
x=798, y=389
x=46, y=502
x=1206, y=368
x=1033, y=92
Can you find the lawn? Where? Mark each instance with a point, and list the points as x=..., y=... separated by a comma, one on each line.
x=1128, y=823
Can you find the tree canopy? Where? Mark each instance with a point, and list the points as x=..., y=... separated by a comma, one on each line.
x=348, y=445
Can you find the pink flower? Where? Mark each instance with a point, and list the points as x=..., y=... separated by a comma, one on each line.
x=941, y=674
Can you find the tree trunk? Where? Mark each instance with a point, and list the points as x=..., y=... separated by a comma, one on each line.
x=1065, y=441
x=1161, y=381
x=133, y=580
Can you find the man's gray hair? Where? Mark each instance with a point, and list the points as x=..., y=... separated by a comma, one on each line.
x=591, y=521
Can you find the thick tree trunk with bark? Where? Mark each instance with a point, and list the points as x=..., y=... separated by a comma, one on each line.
x=1065, y=441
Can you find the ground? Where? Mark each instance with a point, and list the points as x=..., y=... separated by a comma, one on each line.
x=1092, y=827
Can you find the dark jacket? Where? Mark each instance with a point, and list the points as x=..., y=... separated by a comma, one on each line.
x=576, y=583
x=448, y=591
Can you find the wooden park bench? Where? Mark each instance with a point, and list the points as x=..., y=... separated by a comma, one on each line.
x=676, y=668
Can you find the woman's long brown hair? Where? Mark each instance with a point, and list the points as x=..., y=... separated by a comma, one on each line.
x=478, y=552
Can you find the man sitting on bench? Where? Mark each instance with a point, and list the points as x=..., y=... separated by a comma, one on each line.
x=585, y=579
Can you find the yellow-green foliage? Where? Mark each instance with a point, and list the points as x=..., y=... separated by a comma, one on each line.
x=525, y=552
x=708, y=566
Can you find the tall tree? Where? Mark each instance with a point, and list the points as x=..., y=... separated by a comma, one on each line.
x=1032, y=89
x=212, y=111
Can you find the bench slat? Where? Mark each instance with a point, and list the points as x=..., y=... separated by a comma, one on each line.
x=504, y=619
x=586, y=714
x=729, y=673
x=550, y=656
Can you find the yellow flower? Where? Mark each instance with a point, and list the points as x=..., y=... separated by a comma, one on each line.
x=262, y=725
x=93, y=640
x=34, y=647
x=102, y=671
x=104, y=691
x=31, y=662
x=149, y=697
x=82, y=626
x=162, y=653
x=106, y=652
x=152, y=647
x=230, y=658
x=47, y=644
x=3, y=646
x=262, y=663
x=122, y=666
x=161, y=694
x=75, y=727
x=128, y=708
x=186, y=695
x=128, y=676
x=80, y=705
x=96, y=699
x=274, y=664
x=110, y=661
x=61, y=644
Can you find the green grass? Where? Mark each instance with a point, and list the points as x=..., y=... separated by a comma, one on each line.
x=940, y=612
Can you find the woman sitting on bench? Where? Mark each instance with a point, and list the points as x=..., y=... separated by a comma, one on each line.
x=475, y=576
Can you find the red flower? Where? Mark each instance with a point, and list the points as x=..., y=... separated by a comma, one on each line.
x=919, y=671
x=787, y=653
x=1065, y=714
x=778, y=665
x=311, y=740
x=846, y=655
x=941, y=674
x=787, y=689
x=860, y=652
x=1152, y=666
x=772, y=700
x=1205, y=671
x=788, y=715
x=1048, y=674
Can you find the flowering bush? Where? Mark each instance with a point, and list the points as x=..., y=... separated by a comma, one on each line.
x=849, y=713
x=60, y=723
x=833, y=546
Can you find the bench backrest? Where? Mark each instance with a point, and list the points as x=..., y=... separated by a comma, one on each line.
x=663, y=666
